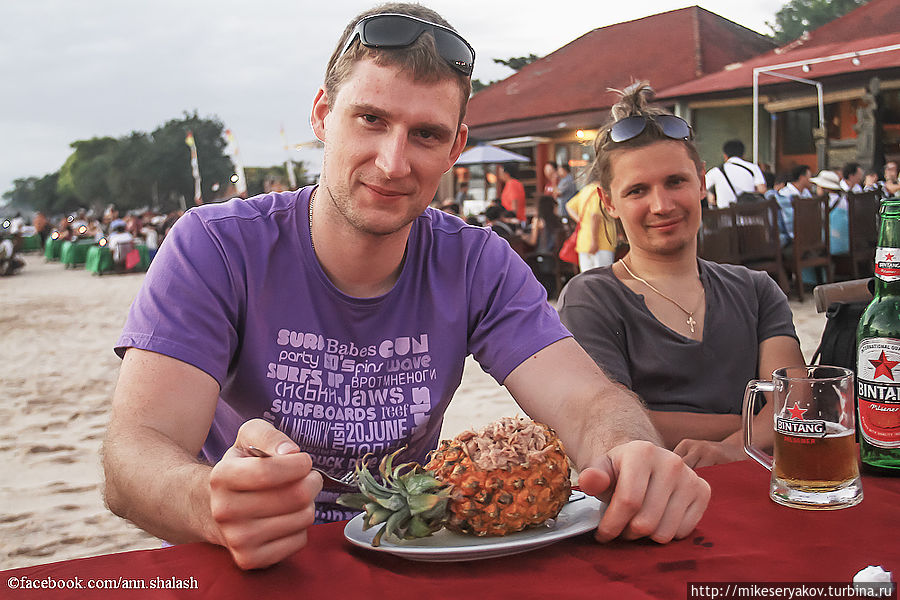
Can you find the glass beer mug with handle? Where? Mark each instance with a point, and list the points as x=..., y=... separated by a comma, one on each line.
x=816, y=459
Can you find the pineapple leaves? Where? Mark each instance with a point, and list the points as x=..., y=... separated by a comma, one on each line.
x=419, y=527
x=421, y=482
x=425, y=502
x=392, y=503
x=375, y=515
x=395, y=526
x=408, y=500
x=357, y=501
x=368, y=483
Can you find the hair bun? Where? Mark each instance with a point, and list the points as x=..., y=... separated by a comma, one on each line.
x=633, y=100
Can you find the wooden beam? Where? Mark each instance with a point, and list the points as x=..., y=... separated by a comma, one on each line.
x=725, y=102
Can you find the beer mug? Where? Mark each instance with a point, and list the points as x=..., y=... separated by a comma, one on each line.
x=816, y=459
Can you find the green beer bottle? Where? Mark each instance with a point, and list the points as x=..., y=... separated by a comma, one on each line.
x=878, y=354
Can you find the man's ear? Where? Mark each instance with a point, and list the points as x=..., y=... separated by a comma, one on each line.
x=462, y=137
x=607, y=204
x=320, y=110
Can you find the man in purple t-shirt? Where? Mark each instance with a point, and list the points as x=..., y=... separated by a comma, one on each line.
x=321, y=324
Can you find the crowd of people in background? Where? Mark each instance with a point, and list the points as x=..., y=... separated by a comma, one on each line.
x=147, y=227
x=536, y=234
x=737, y=180
x=852, y=179
x=562, y=205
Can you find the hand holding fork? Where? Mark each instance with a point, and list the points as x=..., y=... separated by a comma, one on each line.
x=345, y=482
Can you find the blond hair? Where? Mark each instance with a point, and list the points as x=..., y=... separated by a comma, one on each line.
x=420, y=59
x=633, y=101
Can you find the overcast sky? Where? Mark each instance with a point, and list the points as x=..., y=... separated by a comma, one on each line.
x=73, y=70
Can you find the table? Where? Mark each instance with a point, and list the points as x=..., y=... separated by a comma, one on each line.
x=744, y=536
x=31, y=242
x=52, y=248
x=72, y=254
x=99, y=259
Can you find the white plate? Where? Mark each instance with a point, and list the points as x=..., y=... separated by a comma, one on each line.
x=578, y=516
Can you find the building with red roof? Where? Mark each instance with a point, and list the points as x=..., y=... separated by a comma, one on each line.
x=702, y=66
x=543, y=110
x=855, y=60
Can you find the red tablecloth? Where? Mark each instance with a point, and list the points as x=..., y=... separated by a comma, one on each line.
x=744, y=537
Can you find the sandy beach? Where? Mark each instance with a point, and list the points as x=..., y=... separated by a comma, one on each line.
x=57, y=373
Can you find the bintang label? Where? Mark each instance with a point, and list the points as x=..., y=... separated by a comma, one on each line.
x=800, y=428
x=887, y=264
x=878, y=391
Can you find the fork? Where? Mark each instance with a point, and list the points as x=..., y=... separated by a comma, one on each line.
x=345, y=482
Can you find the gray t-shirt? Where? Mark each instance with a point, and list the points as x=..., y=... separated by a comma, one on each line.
x=667, y=370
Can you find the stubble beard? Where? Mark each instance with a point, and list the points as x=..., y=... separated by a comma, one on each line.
x=672, y=247
x=341, y=198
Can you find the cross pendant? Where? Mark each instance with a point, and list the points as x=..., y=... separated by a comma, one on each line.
x=691, y=322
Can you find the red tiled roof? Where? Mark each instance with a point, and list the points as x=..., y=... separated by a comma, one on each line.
x=741, y=78
x=587, y=119
x=873, y=25
x=573, y=80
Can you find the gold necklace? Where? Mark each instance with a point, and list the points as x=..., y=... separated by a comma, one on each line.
x=690, y=313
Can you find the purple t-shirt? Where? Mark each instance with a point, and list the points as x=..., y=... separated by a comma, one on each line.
x=236, y=291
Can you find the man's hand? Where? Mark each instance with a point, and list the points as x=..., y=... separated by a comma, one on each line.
x=263, y=506
x=650, y=491
x=703, y=453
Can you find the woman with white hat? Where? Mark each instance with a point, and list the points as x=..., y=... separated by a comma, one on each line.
x=830, y=182
x=827, y=180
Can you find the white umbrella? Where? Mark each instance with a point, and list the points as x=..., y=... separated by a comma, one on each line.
x=481, y=155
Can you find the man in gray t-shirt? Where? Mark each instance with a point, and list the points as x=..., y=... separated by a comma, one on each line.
x=668, y=371
x=683, y=333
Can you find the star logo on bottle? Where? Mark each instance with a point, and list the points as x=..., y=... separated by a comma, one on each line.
x=889, y=256
x=883, y=366
x=797, y=412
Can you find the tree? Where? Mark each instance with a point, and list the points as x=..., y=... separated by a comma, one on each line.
x=140, y=170
x=21, y=196
x=515, y=63
x=130, y=182
x=34, y=193
x=84, y=177
x=47, y=196
x=261, y=179
x=170, y=159
x=799, y=16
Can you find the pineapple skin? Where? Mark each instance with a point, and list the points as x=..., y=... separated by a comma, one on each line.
x=501, y=501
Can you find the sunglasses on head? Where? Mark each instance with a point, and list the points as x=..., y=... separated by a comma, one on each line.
x=391, y=30
x=629, y=128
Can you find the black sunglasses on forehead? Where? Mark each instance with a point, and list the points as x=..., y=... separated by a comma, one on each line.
x=629, y=128
x=389, y=30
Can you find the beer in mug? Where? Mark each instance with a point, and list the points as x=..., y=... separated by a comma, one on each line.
x=815, y=463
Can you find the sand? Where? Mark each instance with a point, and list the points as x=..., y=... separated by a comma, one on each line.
x=57, y=373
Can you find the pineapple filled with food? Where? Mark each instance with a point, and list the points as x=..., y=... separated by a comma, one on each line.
x=511, y=475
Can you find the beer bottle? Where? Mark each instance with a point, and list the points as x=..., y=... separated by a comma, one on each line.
x=878, y=354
